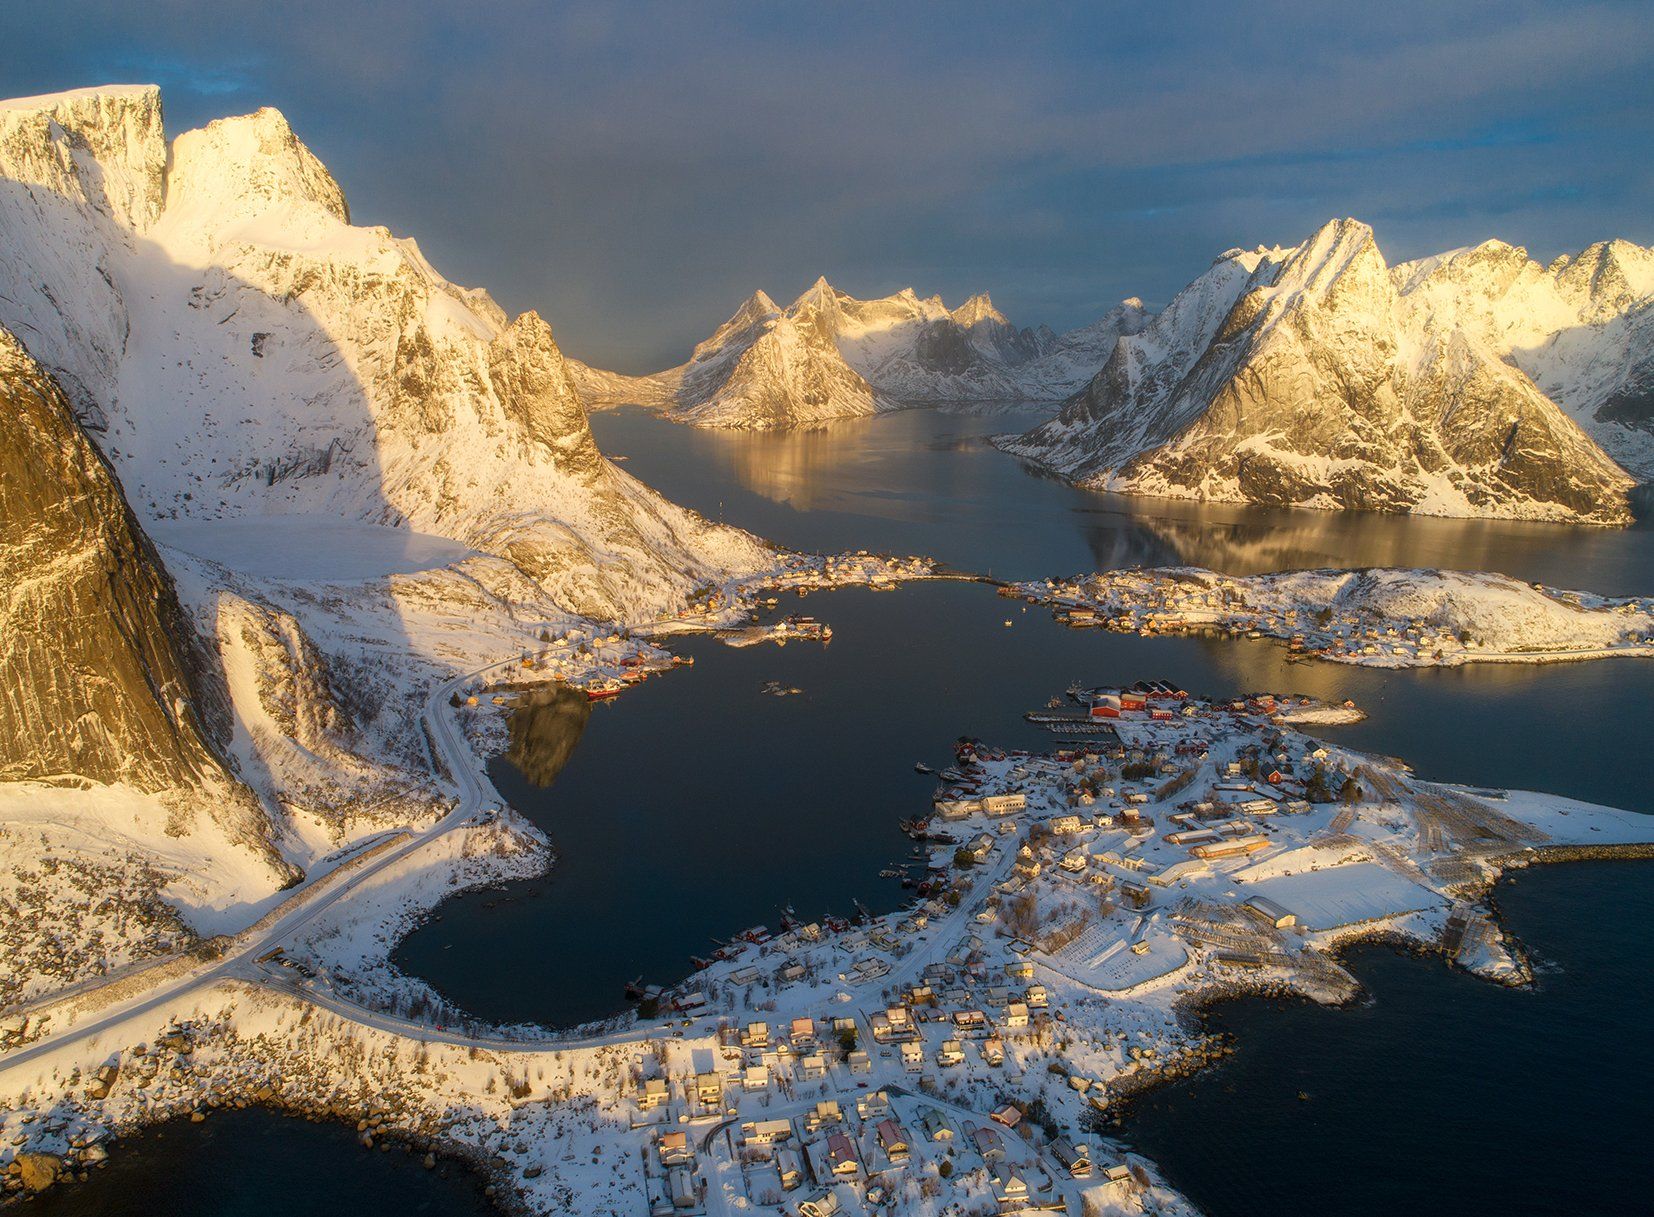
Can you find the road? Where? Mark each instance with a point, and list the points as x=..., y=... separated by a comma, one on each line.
x=475, y=792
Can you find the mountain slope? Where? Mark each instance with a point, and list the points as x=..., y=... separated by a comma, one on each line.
x=1581, y=328
x=242, y=349
x=829, y=355
x=99, y=677
x=1304, y=377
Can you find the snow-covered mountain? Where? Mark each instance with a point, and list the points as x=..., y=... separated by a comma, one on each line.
x=1317, y=376
x=195, y=335
x=1582, y=329
x=239, y=347
x=100, y=679
x=829, y=355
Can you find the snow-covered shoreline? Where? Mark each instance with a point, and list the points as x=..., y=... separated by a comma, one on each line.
x=1382, y=617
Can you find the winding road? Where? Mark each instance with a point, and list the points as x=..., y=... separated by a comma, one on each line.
x=308, y=903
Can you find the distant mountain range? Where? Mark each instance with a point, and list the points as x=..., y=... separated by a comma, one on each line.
x=1474, y=383
x=829, y=355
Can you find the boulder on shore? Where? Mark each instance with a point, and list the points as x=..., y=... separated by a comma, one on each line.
x=38, y=1171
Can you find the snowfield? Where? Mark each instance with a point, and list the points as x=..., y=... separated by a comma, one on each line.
x=309, y=547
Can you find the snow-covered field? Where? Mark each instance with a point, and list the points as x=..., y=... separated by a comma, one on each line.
x=317, y=548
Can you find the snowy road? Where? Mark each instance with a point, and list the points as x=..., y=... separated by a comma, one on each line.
x=475, y=792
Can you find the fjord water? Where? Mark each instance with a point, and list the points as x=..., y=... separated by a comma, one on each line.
x=1440, y=1094
x=254, y=1163
x=697, y=805
x=928, y=482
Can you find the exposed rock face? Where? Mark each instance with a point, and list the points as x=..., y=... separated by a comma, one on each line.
x=94, y=681
x=1305, y=377
x=829, y=355
x=1582, y=329
x=98, y=675
x=245, y=350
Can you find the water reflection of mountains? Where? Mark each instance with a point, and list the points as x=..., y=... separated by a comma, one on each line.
x=1251, y=540
x=545, y=726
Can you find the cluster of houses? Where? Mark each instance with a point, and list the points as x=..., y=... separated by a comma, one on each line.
x=812, y=1159
x=1149, y=602
x=1176, y=793
x=1083, y=860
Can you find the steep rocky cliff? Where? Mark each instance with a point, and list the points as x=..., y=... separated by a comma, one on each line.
x=1305, y=377
x=99, y=675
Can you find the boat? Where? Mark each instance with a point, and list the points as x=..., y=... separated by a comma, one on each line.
x=921, y=767
x=607, y=687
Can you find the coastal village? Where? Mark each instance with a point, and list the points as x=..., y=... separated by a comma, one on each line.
x=1390, y=618
x=972, y=1050
x=970, y=1053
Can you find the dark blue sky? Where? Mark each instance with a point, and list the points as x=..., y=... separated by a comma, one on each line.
x=634, y=171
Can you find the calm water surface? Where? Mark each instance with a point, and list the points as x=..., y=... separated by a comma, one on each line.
x=254, y=1163
x=1442, y=1094
x=927, y=482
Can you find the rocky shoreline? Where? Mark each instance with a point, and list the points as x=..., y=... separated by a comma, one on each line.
x=1212, y=1046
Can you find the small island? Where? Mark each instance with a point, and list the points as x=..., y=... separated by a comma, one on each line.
x=1380, y=618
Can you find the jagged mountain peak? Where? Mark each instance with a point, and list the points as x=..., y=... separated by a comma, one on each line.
x=819, y=292
x=856, y=355
x=308, y=365
x=1610, y=274
x=1338, y=250
x=1316, y=376
x=979, y=308
x=244, y=165
x=102, y=147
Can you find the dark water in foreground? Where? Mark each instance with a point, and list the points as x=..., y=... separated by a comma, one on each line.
x=1443, y=1094
x=254, y=1163
x=696, y=805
